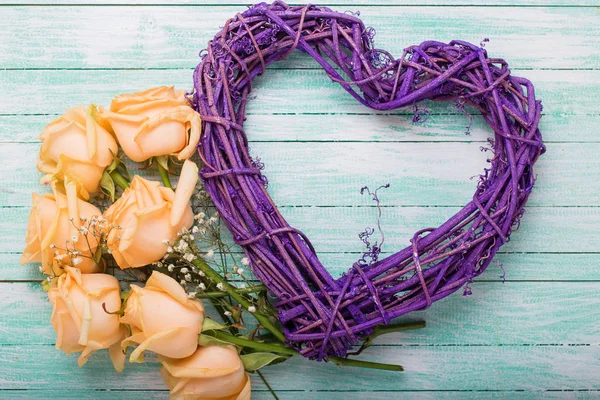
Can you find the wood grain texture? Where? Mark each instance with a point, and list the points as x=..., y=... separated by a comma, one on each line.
x=346, y=3
x=276, y=92
x=535, y=336
x=501, y=314
x=427, y=368
x=335, y=229
x=546, y=267
x=170, y=37
x=319, y=128
x=313, y=174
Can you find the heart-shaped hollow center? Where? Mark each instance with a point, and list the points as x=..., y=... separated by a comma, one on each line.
x=323, y=316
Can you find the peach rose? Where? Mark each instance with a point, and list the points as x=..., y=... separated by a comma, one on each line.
x=55, y=219
x=149, y=215
x=211, y=373
x=155, y=122
x=162, y=319
x=78, y=145
x=79, y=319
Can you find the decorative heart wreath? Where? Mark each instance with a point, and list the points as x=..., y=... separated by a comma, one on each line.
x=323, y=316
x=156, y=235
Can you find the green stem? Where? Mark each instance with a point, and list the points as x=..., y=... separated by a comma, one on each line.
x=119, y=179
x=268, y=347
x=282, y=349
x=232, y=291
x=405, y=326
x=216, y=295
x=347, y=362
x=164, y=176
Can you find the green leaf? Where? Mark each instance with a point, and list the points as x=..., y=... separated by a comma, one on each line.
x=45, y=285
x=163, y=161
x=211, y=325
x=206, y=340
x=255, y=361
x=107, y=185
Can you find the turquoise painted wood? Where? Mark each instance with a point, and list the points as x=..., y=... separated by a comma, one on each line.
x=530, y=330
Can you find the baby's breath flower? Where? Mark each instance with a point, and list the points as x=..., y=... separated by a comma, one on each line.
x=166, y=241
x=252, y=309
x=245, y=261
x=240, y=271
x=195, y=229
x=77, y=261
x=41, y=268
x=209, y=254
x=189, y=257
x=228, y=313
x=191, y=295
x=182, y=282
x=184, y=270
x=170, y=267
x=188, y=277
x=169, y=249
x=52, y=246
x=220, y=286
x=201, y=286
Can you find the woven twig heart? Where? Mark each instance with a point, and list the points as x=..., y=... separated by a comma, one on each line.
x=323, y=316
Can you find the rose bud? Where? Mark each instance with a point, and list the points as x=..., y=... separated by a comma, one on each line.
x=149, y=215
x=78, y=145
x=154, y=122
x=54, y=220
x=212, y=372
x=80, y=316
x=162, y=319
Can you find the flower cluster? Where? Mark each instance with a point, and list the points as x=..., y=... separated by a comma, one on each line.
x=129, y=270
x=83, y=239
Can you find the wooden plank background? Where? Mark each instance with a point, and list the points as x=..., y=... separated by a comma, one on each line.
x=531, y=334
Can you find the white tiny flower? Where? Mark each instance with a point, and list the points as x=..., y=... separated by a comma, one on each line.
x=189, y=257
x=84, y=231
x=159, y=264
x=41, y=268
x=202, y=286
x=191, y=295
x=52, y=246
x=184, y=270
x=188, y=277
x=109, y=251
x=170, y=267
x=195, y=229
x=191, y=237
x=228, y=313
x=182, y=282
x=169, y=249
x=166, y=241
x=252, y=309
x=209, y=254
x=245, y=261
x=220, y=286
x=201, y=273
x=240, y=271
x=77, y=260
x=60, y=257
x=49, y=279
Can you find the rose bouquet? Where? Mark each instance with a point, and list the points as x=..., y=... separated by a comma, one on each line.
x=130, y=262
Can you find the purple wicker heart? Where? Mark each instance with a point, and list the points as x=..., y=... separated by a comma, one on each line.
x=323, y=316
